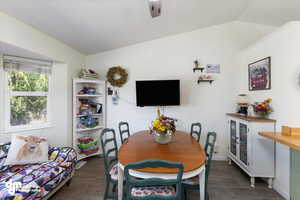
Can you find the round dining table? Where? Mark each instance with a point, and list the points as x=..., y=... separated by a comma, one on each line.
x=183, y=148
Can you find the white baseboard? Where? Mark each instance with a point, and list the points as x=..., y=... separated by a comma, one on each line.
x=281, y=191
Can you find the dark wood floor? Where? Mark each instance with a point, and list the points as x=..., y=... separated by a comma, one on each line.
x=225, y=183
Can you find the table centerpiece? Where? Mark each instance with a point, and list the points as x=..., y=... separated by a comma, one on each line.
x=163, y=129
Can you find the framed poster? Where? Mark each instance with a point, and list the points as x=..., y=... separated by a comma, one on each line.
x=259, y=74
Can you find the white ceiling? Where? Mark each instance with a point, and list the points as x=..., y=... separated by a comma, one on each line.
x=93, y=26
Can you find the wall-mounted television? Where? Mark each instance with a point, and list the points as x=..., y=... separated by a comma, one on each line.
x=158, y=93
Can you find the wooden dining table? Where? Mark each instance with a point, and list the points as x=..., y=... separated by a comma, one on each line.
x=183, y=148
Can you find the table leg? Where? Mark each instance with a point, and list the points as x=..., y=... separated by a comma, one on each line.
x=120, y=182
x=202, y=184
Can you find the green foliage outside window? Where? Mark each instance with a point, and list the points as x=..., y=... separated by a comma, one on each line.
x=25, y=110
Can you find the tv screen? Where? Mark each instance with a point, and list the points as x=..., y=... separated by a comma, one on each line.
x=158, y=93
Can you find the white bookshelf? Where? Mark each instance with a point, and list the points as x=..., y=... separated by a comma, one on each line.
x=80, y=130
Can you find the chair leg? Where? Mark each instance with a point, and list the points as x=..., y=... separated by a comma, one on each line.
x=106, y=190
x=206, y=196
x=185, y=194
x=114, y=187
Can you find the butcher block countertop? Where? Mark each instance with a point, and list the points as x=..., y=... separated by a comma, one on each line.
x=251, y=119
x=291, y=141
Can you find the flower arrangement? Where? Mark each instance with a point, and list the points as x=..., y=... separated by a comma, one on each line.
x=263, y=108
x=163, y=125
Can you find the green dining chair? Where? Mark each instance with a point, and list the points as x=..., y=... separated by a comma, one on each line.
x=124, y=131
x=153, y=188
x=193, y=183
x=110, y=154
x=196, y=130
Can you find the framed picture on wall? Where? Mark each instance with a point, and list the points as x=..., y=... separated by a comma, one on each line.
x=259, y=74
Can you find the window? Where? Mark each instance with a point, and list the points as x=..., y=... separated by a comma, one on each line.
x=27, y=93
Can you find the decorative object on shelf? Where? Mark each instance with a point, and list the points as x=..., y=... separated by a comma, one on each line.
x=243, y=103
x=198, y=66
x=87, y=90
x=87, y=145
x=88, y=107
x=88, y=74
x=263, y=109
x=117, y=76
x=205, y=78
x=115, y=98
x=88, y=122
x=213, y=68
x=163, y=129
x=259, y=74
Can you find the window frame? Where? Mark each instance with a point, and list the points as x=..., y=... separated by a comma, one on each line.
x=7, y=96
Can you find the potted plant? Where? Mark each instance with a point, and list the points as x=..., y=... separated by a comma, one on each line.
x=163, y=129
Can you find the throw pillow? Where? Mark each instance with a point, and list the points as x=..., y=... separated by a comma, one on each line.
x=27, y=150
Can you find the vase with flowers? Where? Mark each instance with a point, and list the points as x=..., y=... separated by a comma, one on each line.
x=263, y=109
x=162, y=129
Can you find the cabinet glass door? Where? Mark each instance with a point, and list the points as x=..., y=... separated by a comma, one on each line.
x=233, y=135
x=243, y=129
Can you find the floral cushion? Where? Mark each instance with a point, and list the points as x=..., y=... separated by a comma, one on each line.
x=155, y=190
x=114, y=172
x=191, y=181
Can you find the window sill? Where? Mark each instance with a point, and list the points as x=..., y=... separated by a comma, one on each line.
x=28, y=128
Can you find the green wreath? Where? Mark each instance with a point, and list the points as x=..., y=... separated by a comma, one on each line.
x=117, y=76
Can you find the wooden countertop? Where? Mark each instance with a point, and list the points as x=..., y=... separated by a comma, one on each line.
x=251, y=119
x=291, y=141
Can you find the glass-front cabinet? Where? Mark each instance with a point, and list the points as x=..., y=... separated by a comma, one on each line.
x=250, y=151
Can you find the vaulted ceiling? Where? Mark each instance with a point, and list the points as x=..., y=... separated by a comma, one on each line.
x=93, y=26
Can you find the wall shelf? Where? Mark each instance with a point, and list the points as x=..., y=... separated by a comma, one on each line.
x=198, y=69
x=206, y=81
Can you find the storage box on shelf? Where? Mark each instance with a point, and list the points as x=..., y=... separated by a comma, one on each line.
x=89, y=116
x=250, y=151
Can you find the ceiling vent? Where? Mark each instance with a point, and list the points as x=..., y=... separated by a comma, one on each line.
x=155, y=7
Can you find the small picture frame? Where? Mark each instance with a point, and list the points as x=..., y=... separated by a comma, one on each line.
x=213, y=68
x=259, y=74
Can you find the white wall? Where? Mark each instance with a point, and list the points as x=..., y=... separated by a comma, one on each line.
x=172, y=58
x=18, y=34
x=283, y=46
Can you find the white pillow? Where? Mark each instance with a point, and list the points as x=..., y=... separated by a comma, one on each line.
x=27, y=150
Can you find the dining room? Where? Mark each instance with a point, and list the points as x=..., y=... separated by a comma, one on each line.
x=149, y=99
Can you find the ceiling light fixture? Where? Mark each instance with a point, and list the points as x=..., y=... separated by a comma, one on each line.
x=155, y=7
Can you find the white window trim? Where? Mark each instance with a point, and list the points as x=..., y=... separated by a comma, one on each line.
x=9, y=94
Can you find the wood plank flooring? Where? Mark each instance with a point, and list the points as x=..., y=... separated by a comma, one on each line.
x=226, y=182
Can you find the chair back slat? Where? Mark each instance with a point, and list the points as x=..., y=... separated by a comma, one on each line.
x=209, y=150
x=109, y=147
x=153, y=163
x=196, y=129
x=124, y=131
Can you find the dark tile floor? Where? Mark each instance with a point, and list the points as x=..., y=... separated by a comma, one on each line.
x=226, y=182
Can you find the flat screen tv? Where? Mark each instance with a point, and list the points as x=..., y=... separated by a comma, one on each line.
x=158, y=93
